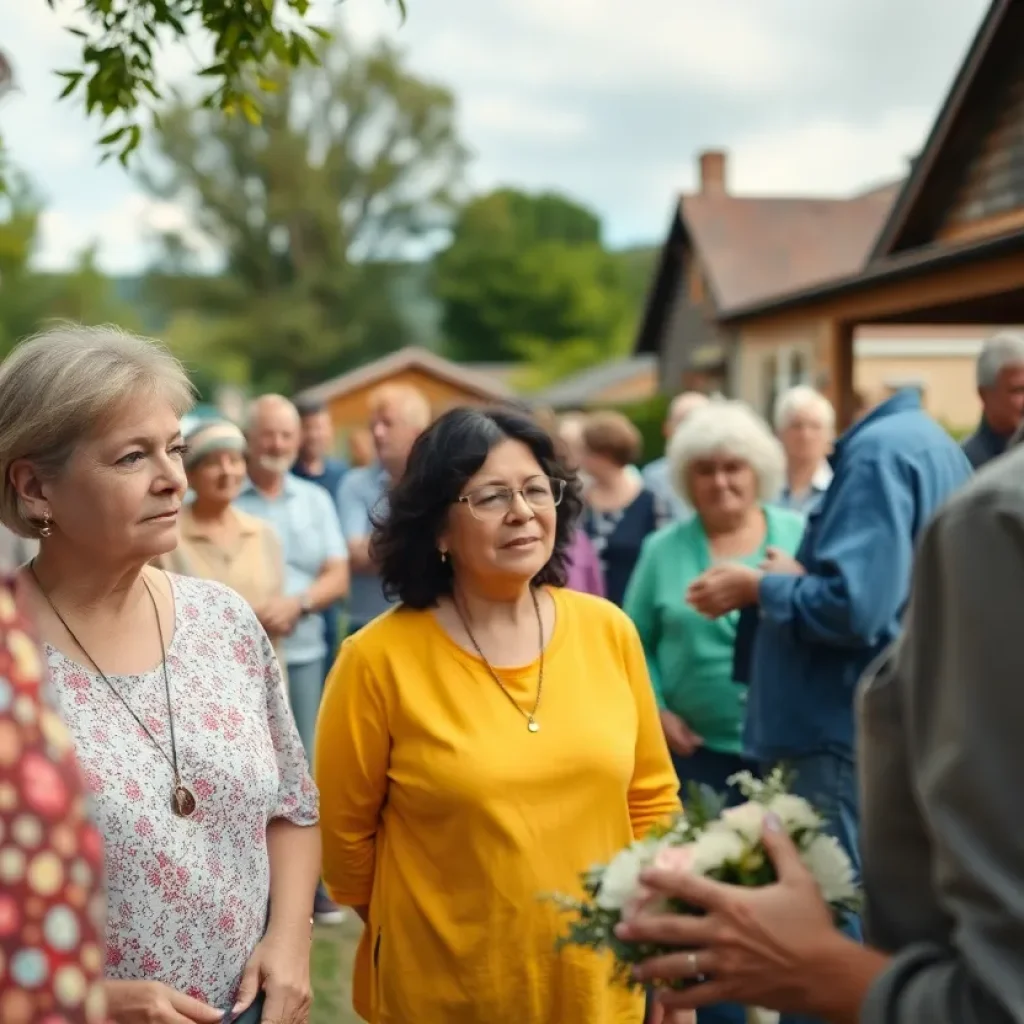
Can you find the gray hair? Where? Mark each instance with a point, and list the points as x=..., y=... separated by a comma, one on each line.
x=803, y=398
x=264, y=403
x=1001, y=350
x=727, y=427
x=61, y=385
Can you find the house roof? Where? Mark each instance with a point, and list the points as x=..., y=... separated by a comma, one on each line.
x=578, y=389
x=412, y=358
x=901, y=266
x=951, y=118
x=756, y=248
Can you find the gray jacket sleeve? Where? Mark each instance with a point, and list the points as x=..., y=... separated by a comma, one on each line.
x=959, y=678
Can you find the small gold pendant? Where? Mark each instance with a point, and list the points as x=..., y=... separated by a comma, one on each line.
x=183, y=802
x=532, y=724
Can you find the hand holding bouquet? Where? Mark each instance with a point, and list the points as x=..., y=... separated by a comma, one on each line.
x=723, y=844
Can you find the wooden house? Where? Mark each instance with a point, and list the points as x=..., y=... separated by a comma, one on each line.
x=444, y=383
x=754, y=294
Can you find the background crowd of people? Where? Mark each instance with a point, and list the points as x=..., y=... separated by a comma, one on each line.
x=543, y=643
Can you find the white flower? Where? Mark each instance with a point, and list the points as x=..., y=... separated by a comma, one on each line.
x=747, y=820
x=746, y=782
x=714, y=847
x=795, y=813
x=620, y=882
x=832, y=870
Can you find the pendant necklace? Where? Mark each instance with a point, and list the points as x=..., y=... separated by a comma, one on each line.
x=183, y=801
x=531, y=717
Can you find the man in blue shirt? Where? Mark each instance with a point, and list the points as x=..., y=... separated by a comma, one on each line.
x=827, y=614
x=318, y=466
x=316, y=566
x=399, y=413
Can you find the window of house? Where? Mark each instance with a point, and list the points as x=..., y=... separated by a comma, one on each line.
x=782, y=369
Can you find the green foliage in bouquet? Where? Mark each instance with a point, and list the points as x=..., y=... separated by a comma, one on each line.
x=719, y=842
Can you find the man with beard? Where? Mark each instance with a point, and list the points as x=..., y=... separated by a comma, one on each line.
x=316, y=563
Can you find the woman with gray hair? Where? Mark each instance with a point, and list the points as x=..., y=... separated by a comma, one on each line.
x=726, y=463
x=217, y=541
x=805, y=423
x=169, y=687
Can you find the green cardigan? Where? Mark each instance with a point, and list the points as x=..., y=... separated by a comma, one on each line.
x=689, y=657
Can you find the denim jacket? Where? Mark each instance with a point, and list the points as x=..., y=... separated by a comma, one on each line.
x=819, y=631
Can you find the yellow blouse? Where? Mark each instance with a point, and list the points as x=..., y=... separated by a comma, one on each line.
x=450, y=820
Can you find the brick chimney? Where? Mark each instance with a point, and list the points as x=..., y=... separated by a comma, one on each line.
x=713, y=164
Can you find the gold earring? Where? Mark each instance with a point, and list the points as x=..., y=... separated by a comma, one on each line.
x=46, y=528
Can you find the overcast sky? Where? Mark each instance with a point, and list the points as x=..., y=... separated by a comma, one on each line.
x=609, y=101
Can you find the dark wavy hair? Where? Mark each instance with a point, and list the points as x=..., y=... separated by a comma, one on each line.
x=444, y=457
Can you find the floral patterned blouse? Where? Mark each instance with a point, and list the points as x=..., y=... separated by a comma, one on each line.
x=51, y=865
x=187, y=897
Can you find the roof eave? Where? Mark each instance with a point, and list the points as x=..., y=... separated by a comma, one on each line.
x=951, y=107
x=891, y=270
x=396, y=362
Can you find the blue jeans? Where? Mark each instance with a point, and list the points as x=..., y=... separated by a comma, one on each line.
x=829, y=781
x=305, y=687
x=331, y=616
x=711, y=768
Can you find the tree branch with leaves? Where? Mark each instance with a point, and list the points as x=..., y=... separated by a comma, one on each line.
x=117, y=75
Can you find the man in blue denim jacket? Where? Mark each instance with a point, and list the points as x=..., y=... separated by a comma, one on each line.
x=827, y=614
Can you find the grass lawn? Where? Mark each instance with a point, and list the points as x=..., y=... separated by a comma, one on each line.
x=334, y=949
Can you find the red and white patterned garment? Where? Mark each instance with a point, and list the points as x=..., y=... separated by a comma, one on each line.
x=51, y=900
x=187, y=897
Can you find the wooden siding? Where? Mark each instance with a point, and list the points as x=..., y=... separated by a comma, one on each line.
x=993, y=183
x=352, y=409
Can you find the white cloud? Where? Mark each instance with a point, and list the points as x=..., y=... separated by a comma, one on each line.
x=822, y=157
x=729, y=47
x=606, y=101
x=518, y=119
x=123, y=233
x=829, y=157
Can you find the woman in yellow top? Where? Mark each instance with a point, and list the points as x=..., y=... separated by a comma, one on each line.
x=483, y=743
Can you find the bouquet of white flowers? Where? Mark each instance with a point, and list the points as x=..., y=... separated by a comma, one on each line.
x=718, y=842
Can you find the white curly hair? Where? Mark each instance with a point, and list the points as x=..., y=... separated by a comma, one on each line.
x=727, y=427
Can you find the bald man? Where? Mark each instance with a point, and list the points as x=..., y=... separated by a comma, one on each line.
x=399, y=413
x=656, y=474
x=316, y=560
x=316, y=564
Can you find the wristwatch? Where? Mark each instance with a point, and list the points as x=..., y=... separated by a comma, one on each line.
x=306, y=604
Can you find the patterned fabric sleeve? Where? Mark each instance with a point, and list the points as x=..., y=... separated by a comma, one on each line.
x=297, y=796
x=51, y=898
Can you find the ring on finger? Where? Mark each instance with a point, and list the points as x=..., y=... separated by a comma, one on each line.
x=694, y=968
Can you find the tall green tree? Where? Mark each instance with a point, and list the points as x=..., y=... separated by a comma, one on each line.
x=352, y=161
x=526, y=278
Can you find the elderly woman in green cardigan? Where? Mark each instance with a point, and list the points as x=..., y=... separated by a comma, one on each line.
x=727, y=464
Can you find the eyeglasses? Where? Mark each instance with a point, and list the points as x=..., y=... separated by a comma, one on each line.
x=496, y=502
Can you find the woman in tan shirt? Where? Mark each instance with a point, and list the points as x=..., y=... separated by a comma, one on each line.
x=220, y=542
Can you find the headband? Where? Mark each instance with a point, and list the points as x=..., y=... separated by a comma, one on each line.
x=219, y=436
